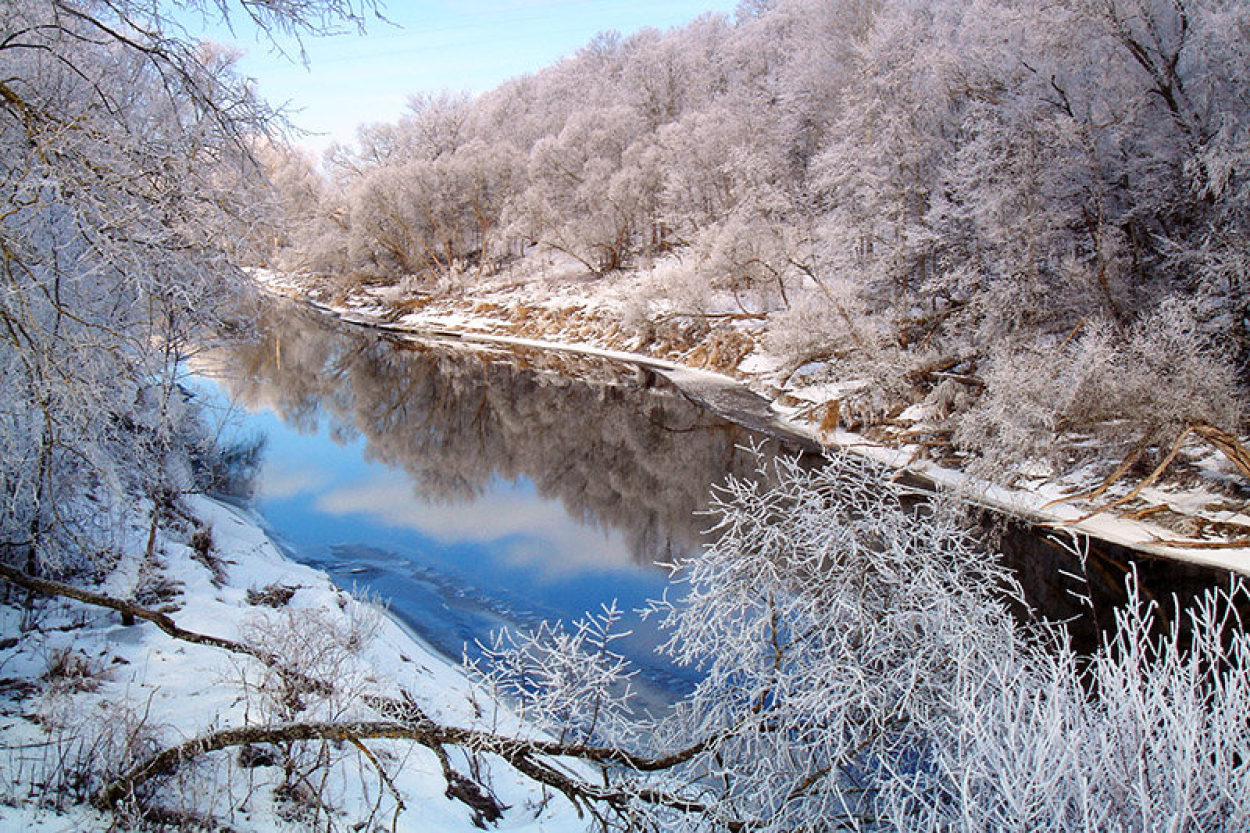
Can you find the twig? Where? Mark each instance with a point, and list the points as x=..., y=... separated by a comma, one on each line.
x=1142, y=514
x=1235, y=544
x=129, y=610
x=517, y=752
x=1080, y=325
x=711, y=316
x=1129, y=460
x=1154, y=475
x=1225, y=443
x=385, y=776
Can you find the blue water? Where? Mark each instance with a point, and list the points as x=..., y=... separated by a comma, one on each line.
x=452, y=571
x=472, y=492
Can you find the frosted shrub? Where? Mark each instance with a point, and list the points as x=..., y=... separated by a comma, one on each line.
x=680, y=285
x=817, y=325
x=862, y=669
x=566, y=680
x=1177, y=374
x=326, y=677
x=830, y=622
x=324, y=647
x=1148, y=385
x=87, y=747
x=1147, y=734
x=1032, y=395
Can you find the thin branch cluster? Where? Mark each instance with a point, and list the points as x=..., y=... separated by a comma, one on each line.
x=863, y=668
x=128, y=191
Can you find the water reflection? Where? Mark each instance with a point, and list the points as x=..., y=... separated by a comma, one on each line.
x=475, y=487
x=636, y=458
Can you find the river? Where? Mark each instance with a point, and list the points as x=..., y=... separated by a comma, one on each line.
x=478, y=487
x=474, y=487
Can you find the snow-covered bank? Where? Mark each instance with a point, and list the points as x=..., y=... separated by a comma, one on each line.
x=82, y=696
x=1187, y=522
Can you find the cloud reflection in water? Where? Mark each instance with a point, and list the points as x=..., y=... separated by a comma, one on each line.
x=476, y=488
x=531, y=531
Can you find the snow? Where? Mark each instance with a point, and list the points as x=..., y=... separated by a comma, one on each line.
x=920, y=412
x=189, y=689
x=1034, y=506
x=760, y=363
x=827, y=391
x=582, y=349
x=448, y=320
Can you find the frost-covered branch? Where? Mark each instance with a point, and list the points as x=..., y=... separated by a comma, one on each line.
x=860, y=664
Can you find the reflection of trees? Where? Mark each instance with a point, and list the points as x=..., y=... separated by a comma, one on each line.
x=614, y=450
x=1086, y=593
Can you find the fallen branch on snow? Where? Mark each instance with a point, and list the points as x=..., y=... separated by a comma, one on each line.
x=520, y=753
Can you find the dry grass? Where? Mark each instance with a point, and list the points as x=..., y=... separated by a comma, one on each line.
x=723, y=349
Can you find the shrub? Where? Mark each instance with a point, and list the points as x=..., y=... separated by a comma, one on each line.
x=863, y=669
x=1147, y=384
x=89, y=747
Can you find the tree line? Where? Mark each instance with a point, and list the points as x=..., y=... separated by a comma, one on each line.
x=1024, y=193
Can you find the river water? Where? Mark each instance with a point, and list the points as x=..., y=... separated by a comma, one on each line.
x=475, y=488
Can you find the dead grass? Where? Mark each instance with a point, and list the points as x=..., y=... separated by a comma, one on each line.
x=273, y=595
x=71, y=670
x=723, y=349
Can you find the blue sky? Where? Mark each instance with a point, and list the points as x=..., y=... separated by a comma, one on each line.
x=469, y=45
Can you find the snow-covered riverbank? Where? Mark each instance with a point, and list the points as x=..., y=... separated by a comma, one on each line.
x=1191, y=522
x=83, y=695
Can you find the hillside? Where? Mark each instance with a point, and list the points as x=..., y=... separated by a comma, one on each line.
x=1005, y=237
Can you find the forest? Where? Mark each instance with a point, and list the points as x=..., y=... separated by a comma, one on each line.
x=1028, y=217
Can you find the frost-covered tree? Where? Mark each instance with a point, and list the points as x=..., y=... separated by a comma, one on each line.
x=305, y=228
x=863, y=669
x=430, y=217
x=581, y=201
x=124, y=167
x=963, y=174
x=878, y=174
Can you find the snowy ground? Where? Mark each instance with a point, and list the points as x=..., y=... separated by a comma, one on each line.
x=559, y=308
x=79, y=685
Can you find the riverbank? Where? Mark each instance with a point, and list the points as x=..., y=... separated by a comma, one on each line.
x=82, y=695
x=729, y=369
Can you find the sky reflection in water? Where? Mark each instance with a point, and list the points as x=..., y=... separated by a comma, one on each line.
x=472, y=492
x=453, y=571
